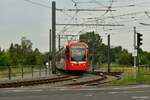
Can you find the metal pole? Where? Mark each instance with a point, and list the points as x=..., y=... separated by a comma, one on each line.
x=32, y=71
x=53, y=37
x=93, y=60
x=40, y=71
x=22, y=70
x=45, y=71
x=134, y=52
x=50, y=49
x=109, y=53
x=134, y=67
x=138, y=61
x=134, y=38
x=59, y=41
x=9, y=72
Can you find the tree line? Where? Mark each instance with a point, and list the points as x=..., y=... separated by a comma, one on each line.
x=99, y=51
x=22, y=54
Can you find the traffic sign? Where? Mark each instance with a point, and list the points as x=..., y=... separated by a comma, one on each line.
x=134, y=54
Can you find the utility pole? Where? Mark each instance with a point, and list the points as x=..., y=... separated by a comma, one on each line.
x=59, y=41
x=53, y=37
x=50, y=49
x=135, y=52
x=93, y=59
x=109, y=53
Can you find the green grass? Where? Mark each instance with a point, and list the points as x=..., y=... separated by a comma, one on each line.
x=129, y=79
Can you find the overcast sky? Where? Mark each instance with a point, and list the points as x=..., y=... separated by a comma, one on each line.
x=32, y=19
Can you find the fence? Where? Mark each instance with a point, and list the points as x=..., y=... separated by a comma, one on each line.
x=23, y=72
x=144, y=70
x=38, y=71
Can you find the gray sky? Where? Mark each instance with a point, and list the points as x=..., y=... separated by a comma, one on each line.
x=21, y=18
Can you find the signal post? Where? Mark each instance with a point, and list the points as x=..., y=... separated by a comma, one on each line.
x=137, y=43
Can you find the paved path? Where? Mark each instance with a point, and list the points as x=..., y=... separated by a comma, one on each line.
x=45, y=92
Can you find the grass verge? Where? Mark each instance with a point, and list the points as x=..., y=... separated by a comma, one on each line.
x=130, y=79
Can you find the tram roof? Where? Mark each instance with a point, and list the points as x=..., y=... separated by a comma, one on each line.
x=76, y=42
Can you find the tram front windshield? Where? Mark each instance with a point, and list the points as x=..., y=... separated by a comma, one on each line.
x=78, y=53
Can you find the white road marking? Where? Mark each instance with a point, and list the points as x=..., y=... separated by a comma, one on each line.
x=132, y=92
x=63, y=87
x=88, y=88
x=139, y=91
x=88, y=95
x=132, y=87
x=35, y=90
x=140, y=97
x=126, y=91
x=18, y=90
x=25, y=90
x=113, y=92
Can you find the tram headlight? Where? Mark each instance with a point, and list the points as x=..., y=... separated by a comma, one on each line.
x=72, y=64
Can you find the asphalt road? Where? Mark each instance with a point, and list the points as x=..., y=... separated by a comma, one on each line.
x=138, y=92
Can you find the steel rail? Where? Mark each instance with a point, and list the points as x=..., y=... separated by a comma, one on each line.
x=88, y=82
x=37, y=82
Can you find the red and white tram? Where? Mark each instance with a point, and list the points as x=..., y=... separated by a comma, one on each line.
x=74, y=57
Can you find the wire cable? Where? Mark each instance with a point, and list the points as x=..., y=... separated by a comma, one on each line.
x=36, y=3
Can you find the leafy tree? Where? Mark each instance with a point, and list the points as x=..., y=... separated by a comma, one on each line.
x=100, y=50
x=45, y=57
x=145, y=58
x=94, y=42
x=19, y=54
x=14, y=54
x=26, y=49
x=125, y=58
x=22, y=54
x=115, y=54
x=4, y=58
x=37, y=57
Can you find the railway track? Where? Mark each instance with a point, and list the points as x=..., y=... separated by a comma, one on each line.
x=87, y=82
x=37, y=82
x=100, y=79
x=105, y=81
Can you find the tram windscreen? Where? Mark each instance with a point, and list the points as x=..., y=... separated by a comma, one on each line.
x=78, y=53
